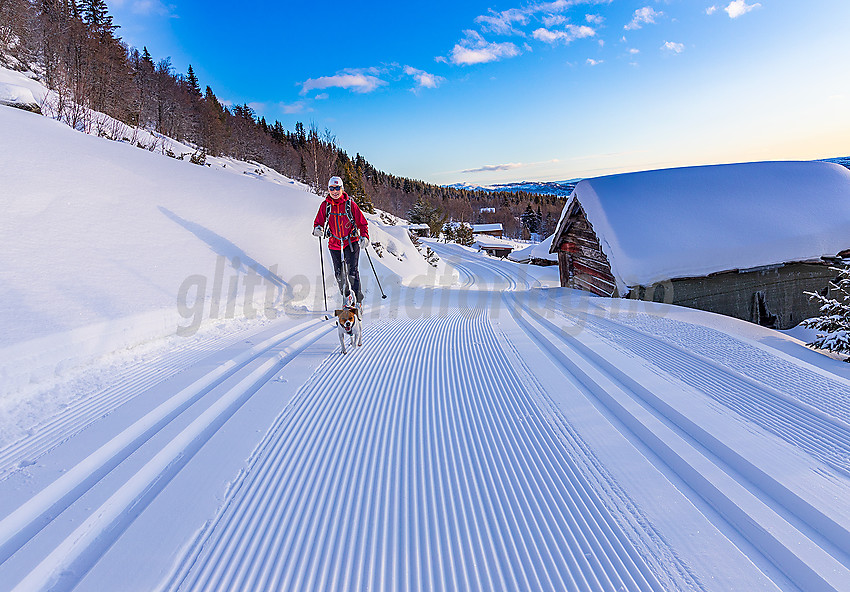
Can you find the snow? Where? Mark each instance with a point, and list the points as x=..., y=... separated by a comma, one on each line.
x=16, y=95
x=494, y=432
x=17, y=87
x=690, y=222
x=536, y=251
x=479, y=228
x=485, y=241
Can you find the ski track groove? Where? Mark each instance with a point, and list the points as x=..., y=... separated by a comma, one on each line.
x=71, y=558
x=433, y=469
x=778, y=411
x=88, y=408
x=770, y=547
x=809, y=387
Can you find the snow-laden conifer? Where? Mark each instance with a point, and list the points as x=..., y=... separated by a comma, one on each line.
x=833, y=326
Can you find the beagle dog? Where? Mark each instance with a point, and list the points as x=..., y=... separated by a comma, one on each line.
x=348, y=324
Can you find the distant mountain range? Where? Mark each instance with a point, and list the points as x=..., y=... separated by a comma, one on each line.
x=843, y=161
x=564, y=188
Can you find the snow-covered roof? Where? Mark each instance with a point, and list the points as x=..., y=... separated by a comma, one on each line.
x=536, y=251
x=690, y=222
x=485, y=241
x=486, y=227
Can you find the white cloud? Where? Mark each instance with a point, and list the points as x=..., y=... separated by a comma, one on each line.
x=568, y=35
x=711, y=10
x=643, y=16
x=674, y=47
x=476, y=50
x=553, y=20
x=495, y=167
x=487, y=168
x=358, y=81
x=424, y=79
x=634, y=51
x=502, y=23
x=739, y=8
x=592, y=62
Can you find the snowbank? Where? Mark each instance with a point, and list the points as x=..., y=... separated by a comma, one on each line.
x=16, y=86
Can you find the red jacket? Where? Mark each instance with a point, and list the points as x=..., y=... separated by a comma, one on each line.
x=339, y=225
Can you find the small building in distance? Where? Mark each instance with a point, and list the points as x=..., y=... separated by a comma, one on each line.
x=420, y=230
x=491, y=229
x=743, y=240
x=493, y=246
x=536, y=254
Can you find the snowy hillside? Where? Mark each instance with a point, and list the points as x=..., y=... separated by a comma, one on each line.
x=107, y=246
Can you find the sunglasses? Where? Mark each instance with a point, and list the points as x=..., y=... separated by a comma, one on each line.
x=334, y=188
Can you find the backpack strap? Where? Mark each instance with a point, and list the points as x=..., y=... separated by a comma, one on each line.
x=354, y=230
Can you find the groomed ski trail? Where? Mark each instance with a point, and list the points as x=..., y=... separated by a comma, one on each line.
x=429, y=466
x=491, y=436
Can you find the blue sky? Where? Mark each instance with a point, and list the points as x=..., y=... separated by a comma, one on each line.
x=488, y=92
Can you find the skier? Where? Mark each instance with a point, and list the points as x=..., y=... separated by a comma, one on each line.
x=340, y=219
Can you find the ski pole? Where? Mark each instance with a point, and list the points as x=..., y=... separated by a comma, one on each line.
x=322, y=259
x=368, y=256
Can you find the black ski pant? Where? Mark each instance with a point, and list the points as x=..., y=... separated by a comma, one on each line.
x=352, y=261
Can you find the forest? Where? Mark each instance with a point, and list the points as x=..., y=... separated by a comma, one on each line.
x=74, y=48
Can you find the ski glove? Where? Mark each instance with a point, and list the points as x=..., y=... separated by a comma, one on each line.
x=364, y=242
x=318, y=231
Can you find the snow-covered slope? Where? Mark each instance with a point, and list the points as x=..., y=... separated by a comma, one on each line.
x=106, y=246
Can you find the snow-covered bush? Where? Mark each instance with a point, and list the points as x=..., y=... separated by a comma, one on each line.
x=833, y=326
x=431, y=257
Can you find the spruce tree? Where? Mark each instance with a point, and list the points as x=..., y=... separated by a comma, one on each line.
x=423, y=212
x=352, y=180
x=833, y=326
x=146, y=56
x=192, y=83
x=96, y=16
x=463, y=235
x=449, y=234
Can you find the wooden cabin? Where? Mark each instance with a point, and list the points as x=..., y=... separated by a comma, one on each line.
x=743, y=240
x=491, y=229
x=493, y=246
x=581, y=261
x=420, y=230
x=536, y=254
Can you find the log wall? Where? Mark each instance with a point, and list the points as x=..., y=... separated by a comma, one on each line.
x=583, y=264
